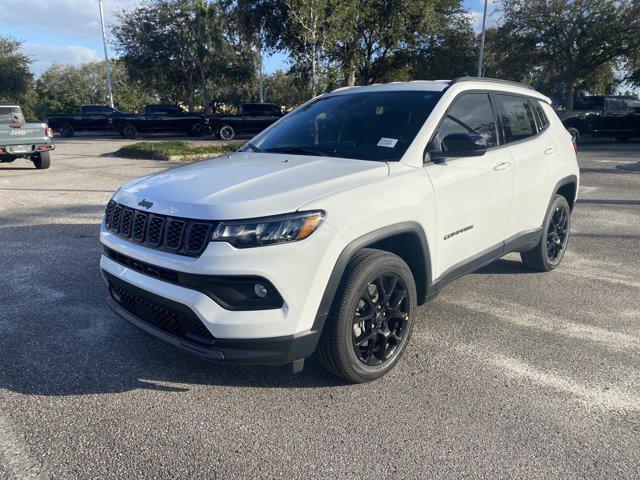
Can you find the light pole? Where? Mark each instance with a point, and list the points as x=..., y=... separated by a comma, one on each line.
x=481, y=56
x=106, y=55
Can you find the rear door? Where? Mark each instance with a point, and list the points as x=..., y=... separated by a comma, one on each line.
x=526, y=134
x=96, y=117
x=473, y=194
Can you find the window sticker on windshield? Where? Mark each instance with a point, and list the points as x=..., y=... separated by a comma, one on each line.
x=387, y=142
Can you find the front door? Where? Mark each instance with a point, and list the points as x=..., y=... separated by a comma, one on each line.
x=473, y=194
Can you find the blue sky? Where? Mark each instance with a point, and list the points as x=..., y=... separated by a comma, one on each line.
x=68, y=31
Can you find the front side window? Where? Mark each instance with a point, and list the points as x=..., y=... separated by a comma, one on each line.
x=517, y=118
x=471, y=113
x=377, y=126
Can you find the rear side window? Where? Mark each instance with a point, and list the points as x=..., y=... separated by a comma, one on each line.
x=470, y=113
x=615, y=104
x=11, y=115
x=541, y=117
x=517, y=118
x=588, y=103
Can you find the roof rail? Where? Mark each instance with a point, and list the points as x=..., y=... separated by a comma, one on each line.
x=485, y=79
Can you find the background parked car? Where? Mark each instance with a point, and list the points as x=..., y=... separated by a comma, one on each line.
x=603, y=115
x=19, y=139
x=249, y=118
x=161, y=118
x=92, y=118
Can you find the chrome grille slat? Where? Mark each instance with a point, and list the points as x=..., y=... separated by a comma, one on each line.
x=183, y=236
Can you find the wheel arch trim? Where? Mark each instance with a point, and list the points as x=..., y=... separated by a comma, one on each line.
x=371, y=238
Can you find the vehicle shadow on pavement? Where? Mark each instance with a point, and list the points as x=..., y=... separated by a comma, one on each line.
x=58, y=337
x=504, y=266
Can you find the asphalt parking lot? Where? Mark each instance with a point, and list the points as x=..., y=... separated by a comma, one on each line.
x=508, y=374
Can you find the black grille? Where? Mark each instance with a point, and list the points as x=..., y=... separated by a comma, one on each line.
x=176, y=235
x=177, y=320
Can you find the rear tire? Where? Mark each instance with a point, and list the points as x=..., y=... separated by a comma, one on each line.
x=42, y=160
x=549, y=252
x=366, y=333
x=226, y=133
x=575, y=133
x=198, y=130
x=130, y=132
x=67, y=130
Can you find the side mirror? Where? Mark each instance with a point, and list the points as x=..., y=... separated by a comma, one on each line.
x=460, y=145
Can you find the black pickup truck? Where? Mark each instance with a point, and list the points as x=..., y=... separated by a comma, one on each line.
x=94, y=118
x=161, y=118
x=603, y=116
x=247, y=118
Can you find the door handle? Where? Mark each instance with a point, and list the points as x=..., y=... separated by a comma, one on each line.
x=549, y=151
x=502, y=166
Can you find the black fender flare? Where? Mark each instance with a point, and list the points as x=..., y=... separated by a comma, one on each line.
x=371, y=238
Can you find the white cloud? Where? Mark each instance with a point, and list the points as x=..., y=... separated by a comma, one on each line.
x=44, y=55
x=75, y=18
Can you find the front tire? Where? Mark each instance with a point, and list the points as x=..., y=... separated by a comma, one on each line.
x=549, y=252
x=42, y=160
x=371, y=318
x=67, y=130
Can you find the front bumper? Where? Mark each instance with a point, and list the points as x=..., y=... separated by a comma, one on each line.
x=298, y=271
x=264, y=351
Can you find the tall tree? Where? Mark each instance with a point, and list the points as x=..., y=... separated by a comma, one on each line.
x=16, y=79
x=65, y=88
x=363, y=33
x=574, y=38
x=177, y=48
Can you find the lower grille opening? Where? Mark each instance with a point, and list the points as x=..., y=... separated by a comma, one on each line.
x=177, y=320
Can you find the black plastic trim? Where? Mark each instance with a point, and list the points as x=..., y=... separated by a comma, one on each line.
x=362, y=242
x=520, y=242
x=206, y=284
x=274, y=351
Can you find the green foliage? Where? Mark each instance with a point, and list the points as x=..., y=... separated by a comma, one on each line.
x=178, y=48
x=170, y=150
x=65, y=88
x=573, y=45
x=16, y=79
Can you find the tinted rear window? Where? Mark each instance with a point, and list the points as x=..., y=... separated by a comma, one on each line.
x=11, y=115
x=517, y=118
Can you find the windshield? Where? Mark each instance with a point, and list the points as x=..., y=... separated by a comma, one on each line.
x=11, y=116
x=368, y=125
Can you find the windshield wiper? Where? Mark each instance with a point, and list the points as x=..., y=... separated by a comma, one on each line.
x=253, y=147
x=303, y=150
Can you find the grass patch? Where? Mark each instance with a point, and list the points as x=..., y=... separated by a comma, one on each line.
x=175, y=150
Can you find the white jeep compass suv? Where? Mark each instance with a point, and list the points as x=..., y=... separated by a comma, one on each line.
x=327, y=231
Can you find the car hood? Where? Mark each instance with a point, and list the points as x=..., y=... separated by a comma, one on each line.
x=246, y=185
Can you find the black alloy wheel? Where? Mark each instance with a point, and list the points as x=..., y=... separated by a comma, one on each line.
x=550, y=250
x=558, y=233
x=380, y=320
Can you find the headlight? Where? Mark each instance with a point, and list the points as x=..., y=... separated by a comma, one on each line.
x=269, y=230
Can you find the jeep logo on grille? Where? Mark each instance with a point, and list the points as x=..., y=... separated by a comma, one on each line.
x=17, y=133
x=144, y=203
